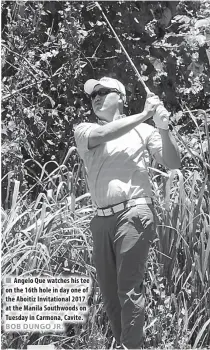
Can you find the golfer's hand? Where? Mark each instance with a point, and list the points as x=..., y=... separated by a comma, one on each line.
x=161, y=117
x=151, y=104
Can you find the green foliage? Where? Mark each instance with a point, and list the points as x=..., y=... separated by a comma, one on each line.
x=41, y=61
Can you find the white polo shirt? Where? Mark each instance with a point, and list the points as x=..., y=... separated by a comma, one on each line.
x=117, y=170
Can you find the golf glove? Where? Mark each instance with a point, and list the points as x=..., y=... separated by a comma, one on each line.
x=161, y=117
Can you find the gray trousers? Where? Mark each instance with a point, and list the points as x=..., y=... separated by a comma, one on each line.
x=120, y=249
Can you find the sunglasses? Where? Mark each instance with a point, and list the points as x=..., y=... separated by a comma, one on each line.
x=102, y=92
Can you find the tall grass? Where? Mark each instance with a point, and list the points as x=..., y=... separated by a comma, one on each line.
x=51, y=235
x=178, y=273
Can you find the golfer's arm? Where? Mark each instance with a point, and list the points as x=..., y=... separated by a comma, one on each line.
x=114, y=129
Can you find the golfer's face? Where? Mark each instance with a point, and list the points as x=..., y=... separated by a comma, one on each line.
x=104, y=102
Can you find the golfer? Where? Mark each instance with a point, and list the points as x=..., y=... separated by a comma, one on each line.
x=116, y=152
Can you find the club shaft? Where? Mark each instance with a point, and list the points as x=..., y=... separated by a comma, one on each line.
x=127, y=55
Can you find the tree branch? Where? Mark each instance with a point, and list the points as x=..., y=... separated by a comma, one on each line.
x=25, y=59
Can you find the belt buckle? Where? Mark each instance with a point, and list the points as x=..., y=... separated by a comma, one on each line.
x=112, y=210
x=109, y=211
x=131, y=203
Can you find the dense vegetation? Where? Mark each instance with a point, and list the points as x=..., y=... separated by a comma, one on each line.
x=49, y=49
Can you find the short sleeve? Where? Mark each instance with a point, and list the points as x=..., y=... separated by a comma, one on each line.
x=154, y=143
x=81, y=134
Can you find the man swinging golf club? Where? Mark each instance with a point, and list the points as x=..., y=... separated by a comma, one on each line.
x=116, y=155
